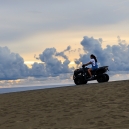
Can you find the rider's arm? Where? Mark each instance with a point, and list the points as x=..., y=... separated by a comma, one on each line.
x=87, y=63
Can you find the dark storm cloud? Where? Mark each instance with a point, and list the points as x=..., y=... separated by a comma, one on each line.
x=116, y=56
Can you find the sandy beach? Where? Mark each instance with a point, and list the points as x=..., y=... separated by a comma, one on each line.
x=91, y=106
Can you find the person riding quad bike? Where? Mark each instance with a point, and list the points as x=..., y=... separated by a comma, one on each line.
x=93, y=62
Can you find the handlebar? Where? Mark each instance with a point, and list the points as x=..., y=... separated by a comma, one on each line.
x=83, y=66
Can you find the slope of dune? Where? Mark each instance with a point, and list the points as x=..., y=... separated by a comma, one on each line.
x=91, y=106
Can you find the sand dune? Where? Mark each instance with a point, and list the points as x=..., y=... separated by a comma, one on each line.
x=92, y=106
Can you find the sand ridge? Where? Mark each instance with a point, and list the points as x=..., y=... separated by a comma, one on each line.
x=91, y=106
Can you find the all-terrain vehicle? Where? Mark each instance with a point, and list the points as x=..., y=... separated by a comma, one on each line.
x=81, y=76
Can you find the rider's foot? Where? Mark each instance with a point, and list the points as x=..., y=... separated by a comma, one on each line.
x=91, y=77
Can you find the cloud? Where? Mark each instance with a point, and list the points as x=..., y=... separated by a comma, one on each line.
x=39, y=70
x=11, y=65
x=67, y=49
x=53, y=65
x=62, y=54
x=47, y=16
x=41, y=81
x=116, y=56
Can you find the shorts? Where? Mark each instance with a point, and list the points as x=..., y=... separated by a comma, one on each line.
x=94, y=67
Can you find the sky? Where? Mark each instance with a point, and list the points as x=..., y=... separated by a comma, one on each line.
x=40, y=40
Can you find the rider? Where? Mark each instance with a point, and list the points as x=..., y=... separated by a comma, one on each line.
x=93, y=62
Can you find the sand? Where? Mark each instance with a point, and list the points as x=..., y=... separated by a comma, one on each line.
x=91, y=106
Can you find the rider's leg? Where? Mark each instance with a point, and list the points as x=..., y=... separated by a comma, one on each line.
x=89, y=71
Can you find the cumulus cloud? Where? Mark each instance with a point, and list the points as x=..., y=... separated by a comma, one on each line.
x=116, y=56
x=11, y=65
x=53, y=65
x=62, y=54
x=38, y=70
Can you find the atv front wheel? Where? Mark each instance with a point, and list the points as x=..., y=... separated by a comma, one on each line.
x=79, y=80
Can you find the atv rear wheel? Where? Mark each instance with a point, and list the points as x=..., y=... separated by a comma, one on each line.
x=101, y=78
x=106, y=77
